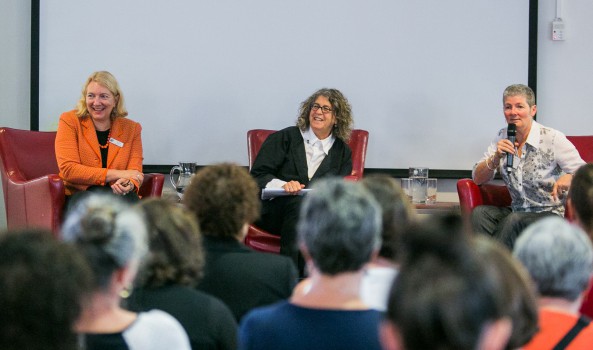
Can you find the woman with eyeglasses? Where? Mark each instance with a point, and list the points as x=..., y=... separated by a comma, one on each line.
x=294, y=157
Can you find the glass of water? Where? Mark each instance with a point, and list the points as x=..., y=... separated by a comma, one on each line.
x=407, y=188
x=431, y=191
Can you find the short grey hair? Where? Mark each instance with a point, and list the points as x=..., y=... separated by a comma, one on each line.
x=340, y=225
x=519, y=90
x=558, y=256
x=109, y=232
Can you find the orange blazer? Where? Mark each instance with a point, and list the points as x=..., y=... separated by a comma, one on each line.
x=78, y=153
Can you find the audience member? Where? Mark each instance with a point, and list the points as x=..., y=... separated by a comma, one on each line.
x=294, y=157
x=43, y=283
x=224, y=198
x=112, y=238
x=445, y=295
x=559, y=258
x=542, y=167
x=397, y=213
x=516, y=289
x=97, y=147
x=168, y=278
x=580, y=204
x=580, y=198
x=339, y=232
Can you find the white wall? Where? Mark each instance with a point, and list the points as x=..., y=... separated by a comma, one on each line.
x=15, y=44
x=565, y=72
x=565, y=68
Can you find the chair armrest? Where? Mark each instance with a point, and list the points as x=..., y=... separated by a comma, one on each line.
x=469, y=194
x=262, y=241
x=352, y=178
x=152, y=186
x=35, y=203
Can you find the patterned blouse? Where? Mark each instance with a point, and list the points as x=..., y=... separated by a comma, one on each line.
x=546, y=155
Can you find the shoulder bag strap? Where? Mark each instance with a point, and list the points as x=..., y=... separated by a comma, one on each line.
x=582, y=322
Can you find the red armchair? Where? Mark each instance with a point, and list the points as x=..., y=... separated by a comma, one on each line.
x=259, y=239
x=33, y=191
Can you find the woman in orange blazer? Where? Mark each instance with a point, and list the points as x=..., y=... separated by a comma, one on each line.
x=96, y=146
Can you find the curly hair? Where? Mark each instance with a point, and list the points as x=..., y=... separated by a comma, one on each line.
x=175, y=244
x=396, y=210
x=108, y=81
x=44, y=284
x=224, y=197
x=341, y=109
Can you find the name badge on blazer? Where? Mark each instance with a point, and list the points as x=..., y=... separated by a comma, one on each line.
x=116, y=142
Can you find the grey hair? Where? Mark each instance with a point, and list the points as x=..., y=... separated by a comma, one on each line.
x=340, y=225
x=558, y=256
x=519, y=90
x=110, y=233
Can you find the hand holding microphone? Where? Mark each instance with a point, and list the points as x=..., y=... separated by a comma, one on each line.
x=511, y=136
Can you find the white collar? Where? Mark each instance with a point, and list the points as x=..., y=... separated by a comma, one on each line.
x=310, y=138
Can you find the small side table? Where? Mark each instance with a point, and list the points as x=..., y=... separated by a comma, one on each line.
x=438, y=207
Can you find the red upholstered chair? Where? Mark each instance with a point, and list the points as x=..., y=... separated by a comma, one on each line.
x=472, y=195
x=33, y=191
x=261, y=240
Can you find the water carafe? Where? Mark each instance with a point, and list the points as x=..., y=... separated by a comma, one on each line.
x=181, y=181
x=418, y=175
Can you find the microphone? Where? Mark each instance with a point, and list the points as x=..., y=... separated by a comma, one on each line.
x=511, y=132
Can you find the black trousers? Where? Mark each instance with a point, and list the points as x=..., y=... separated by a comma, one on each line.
x=280, y=216
x=502, y=223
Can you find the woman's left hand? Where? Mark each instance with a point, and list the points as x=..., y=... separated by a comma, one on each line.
x=562, y=186
x=122, y=186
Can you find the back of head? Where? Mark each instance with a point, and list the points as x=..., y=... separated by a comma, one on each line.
x=395, y=208
x=558, y=256
x=176, y=255
x=517, y=291
x=339, y=225
x=581, y=196
x=43, y=283
x=224, y=197
x=108, y=232
x=444, y=296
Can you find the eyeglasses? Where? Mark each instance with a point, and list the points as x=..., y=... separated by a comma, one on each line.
x=324, y=109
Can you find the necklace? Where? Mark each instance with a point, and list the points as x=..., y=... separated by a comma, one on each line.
x=106, y=142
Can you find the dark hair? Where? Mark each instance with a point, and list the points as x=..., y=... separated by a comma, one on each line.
x=176, y=254
x=340, y=108
x=395, y=208
x=581, y=196
x=443, y=295
x=43, y=285
x=108, y=232
x=340, y=225
x=223, y=197
x=516, y=289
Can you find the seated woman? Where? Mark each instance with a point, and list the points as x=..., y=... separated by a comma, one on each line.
x=559, y=258
x=339, y=233
x=543, y=162
x=112, y=238
x=97, y=147
x=223, y=198
x=294, y=157
x=446, y=296
x=168, y=278
x=43, y=286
